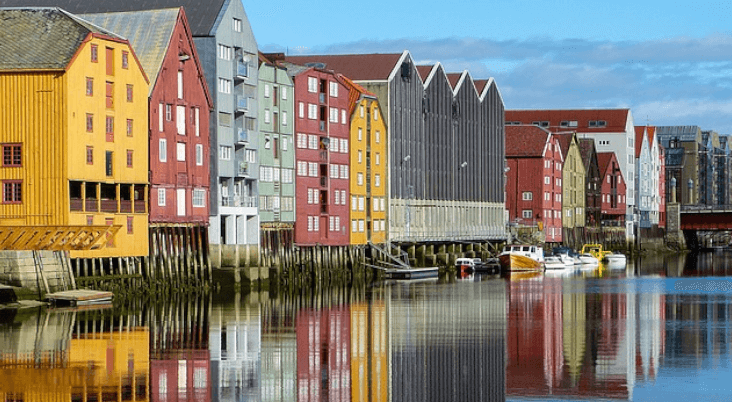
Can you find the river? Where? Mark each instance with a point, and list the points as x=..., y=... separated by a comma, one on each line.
x=658, y=330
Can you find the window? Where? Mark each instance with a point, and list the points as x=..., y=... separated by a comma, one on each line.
x=312, y=111
x=109, y=95
x=360, y=156
x=302, y=168
x=108, y=163
x=284, y=118
x=199, y=198
x=376, y=204
x=94, y=53
x=302, y=140
x=378, y=159
x=161, y=197
x=109, y=54
x=378, y=136
x=343, y=116
x=333, y=115
x=312, y=169
x=527, y=196
x=360, y=225
x=129, y=158
x=224, y=153
x=168, y=112
x=224, y=119
x=180, y=84
x=129, y=92
x=333, y=89
x=383, y=204
x=181, y=152
x=12, y=191
x=377, y=180
x=196, y=121
x=361, y=202
x=354, y=225
x=360, y=134
x=547, y=196
x=354, y=202
x=110, y=128
x=359, y=179
x=224, y=52
x=312, y=84
x=251, y=155
x=224, y=86
x=266, y=116
x=89, y=155
x=199, y=154
x=266, y=90
x=129, y=127
x=301, y=110
x=312, y=141
x=547, y=180
x=334, y=171
x=344, y=146
x=89, y=86
x=237, y=25
x=125, y=61
x=336, y=197
x=162, y=150
x=526, y=214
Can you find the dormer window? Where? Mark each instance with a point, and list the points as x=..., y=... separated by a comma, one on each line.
x=592, y=123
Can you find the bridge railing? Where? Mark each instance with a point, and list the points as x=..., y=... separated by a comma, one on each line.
x=706, y=208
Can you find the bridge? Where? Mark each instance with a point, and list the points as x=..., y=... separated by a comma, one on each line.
x=706, y=217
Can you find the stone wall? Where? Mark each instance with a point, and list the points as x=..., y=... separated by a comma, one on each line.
x=18, y=268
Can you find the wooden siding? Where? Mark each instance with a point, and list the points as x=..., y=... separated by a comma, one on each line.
x=124, y=180
x=369, y=147
x=172, y=174
x=33, y=114
x=573, y=187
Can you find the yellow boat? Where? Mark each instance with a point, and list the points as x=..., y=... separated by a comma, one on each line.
x=522, y=257
x=596, y=251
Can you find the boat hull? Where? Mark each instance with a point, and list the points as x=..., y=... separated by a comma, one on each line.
x=514, y=262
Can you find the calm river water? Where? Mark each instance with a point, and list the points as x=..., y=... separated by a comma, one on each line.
x=658, y=330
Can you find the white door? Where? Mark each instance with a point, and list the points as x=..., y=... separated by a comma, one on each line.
x=181, y=201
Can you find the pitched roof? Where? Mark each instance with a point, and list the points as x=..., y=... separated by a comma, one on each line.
x=424, y=71
x=149, y=33
x=675, y=157
x=604, y=159
x=525, y=141
x=42, y=38
x=683, y=133
x=355, y=92
x=639, y=130
x=480, y=85
x=565, y=140
x=615, y=119
x=201, y=14
x=586, y=147
x=358, y=67
x=454, y=78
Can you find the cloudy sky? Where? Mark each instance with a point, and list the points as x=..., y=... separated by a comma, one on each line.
x=669, y=61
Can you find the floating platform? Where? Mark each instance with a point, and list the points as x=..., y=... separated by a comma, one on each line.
x=411, y=273
x=80, y=297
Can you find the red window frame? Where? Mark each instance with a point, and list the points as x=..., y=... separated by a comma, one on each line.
x=129, y=92
x=110, y=94
x=129, y=158
x=125, y=61
x=130, y=225
x=12, y=155
x=129, y=127
x=89, y=123
x=109, y=130
x=89, y=86
x=89, y=155
x=94, y=53
x=12, y=191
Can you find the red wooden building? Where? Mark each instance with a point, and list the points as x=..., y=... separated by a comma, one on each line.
x=322, y=126
x=179, y=109
x=613, y=190
x=534, y=180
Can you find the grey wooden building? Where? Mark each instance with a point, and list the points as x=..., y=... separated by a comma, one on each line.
x=446, y=146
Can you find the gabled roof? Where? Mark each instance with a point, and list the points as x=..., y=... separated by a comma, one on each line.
x=202, y=15
x=639, y=131
x=355, y=92
x=454, y=78
x=42, y=38
x=526, y=141
x=480, y=85
x=587, y=148
x=358, y=67
x=615, y=119
x=424, y=71
x=149, y=33
x=604, y=159
x=683, y=133
x=565, y=140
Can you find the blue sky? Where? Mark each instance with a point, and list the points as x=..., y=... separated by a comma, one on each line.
x=670, y=62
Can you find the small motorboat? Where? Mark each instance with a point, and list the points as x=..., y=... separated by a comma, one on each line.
x=588, y=260
x=554, y=262
x=522, y=257
x=615, y=260
x=466, y=265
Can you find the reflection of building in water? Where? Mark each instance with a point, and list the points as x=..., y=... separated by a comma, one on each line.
x=701, y=335
x=179, y=355
x=74, y=357
x=235, y=345
x=565, y=340
x=279, y=353
x=323, y=357
x=369, y=358
x=447, y=343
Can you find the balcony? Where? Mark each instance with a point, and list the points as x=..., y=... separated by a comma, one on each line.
x=322, y=125
x=239, y=202
x=242, y=103
x=242, y=70
x=323, y=181
x=243, y=169
x=321, y=97
x=242, y=136
x=324, y=155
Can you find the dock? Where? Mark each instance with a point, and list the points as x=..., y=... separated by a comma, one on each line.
x=411, y=273
x=80, y=297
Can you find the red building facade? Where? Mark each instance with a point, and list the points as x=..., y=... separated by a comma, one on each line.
x=534, y=180
x=321, y=157
x=180, y=107
x=613, y=190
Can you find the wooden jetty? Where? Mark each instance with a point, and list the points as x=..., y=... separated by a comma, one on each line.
x=80, y=297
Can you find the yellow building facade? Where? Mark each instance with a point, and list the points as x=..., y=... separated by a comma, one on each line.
x=573, y=186
x=74, y=134
x=368, y=179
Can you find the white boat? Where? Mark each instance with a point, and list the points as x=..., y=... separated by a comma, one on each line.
x=569, y=261
x=588, y=260
x=554, y=262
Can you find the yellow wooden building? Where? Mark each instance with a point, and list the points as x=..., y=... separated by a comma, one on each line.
x=73, y=129
x=368, y=170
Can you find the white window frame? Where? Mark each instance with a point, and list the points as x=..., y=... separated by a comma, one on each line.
x=301, y=110
x=527, y=196
x=199, y=198
x=312, y=84
x=180, y=151
x=199, y=154
x=333, y=89
x=163, y=150
x=161, y=197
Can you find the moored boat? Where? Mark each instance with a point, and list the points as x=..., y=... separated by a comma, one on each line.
x=615, y=260
x=588, y=260
x=522, y=257
x=554, y=262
